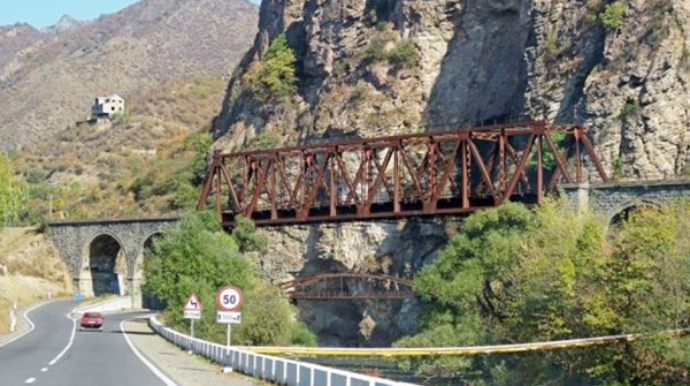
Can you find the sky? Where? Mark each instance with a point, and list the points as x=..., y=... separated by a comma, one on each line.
x=43, y=13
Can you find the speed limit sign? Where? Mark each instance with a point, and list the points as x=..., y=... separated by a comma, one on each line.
x=229, y=298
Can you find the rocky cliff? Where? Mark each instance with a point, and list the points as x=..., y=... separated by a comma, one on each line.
x=382, y=67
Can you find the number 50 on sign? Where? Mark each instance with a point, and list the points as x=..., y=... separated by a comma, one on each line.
x=229, y=298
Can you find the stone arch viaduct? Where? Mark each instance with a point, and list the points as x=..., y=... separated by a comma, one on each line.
x=106, y=256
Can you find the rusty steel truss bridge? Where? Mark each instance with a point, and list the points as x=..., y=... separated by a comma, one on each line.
x=428, y=174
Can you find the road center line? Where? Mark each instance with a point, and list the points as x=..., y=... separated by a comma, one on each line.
x=151, y=366
x=69, y=344
x=43, y=370
x=30, y=380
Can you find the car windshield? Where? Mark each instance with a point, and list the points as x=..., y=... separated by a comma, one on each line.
x=92, y=315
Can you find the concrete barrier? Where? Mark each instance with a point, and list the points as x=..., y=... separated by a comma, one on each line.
x=272, y=369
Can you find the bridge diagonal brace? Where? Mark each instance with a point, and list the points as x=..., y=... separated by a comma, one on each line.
x=593, y=156
x=562, y=165
x=320, y=169
x=516, y=159
x=228, y=180
x=482, y=168
x=380, y=179
x=381, y=168
x=352, y=195
x=415, y=181
x=286, y=185
x=260, y=185
x=520, y=168
x=445, y=176
x=455, y=142
x=344, y=173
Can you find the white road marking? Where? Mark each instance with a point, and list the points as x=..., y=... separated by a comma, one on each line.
x=154, y=369
x=69, y=344
x=31, y=325
x=30, y=380
x=43, y=370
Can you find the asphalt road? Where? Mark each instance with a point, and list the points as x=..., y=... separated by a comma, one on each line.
x=57, y=353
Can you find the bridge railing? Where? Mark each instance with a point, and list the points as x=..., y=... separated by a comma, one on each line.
x=268, y=368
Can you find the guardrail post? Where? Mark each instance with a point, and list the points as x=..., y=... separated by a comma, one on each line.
x=13, y=321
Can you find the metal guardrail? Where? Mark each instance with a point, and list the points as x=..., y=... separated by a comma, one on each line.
x=272, y=369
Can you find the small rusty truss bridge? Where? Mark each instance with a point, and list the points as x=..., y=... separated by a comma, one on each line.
x=348, y=286
x=428, y=174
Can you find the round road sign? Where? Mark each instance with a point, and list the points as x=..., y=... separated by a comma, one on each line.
x=229, y=298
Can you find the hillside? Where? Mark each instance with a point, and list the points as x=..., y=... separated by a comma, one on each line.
x=48, y=81
x=30, y=269
x=139, y=165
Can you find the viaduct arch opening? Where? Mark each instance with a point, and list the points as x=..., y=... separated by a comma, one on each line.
x=148, y=300
x=107, y=265
x=623, y=213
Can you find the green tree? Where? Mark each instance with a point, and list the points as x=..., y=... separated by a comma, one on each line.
x=200, y=257
x=511, y=275
x=273, y=78
x=10, y=192
x=649, y=286
x=247, y=238
x=470, y=282
x=404, y=55
x=199, y=144
x=613, y=16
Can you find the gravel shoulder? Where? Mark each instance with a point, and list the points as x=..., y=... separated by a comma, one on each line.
x=185, y=369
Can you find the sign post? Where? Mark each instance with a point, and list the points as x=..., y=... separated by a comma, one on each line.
x=229, y=299
x=192, y=310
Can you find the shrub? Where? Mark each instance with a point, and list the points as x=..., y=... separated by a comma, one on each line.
x=359, y=93
x=404, y=55
x=618, y=168
x=376, y=50
x=267, y=139
x=629, y=108
x=613, y=16
x=273, y=78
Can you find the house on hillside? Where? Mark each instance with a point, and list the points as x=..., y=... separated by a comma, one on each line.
x=107, y=107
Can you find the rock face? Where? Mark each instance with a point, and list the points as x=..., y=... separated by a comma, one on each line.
x=625, y=75
x=397, y=248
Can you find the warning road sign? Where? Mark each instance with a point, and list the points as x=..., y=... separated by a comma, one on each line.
x=192, y=307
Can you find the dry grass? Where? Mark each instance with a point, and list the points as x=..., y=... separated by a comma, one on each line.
x=30, y=269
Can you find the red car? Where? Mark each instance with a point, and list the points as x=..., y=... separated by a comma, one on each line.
x=92, y=320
